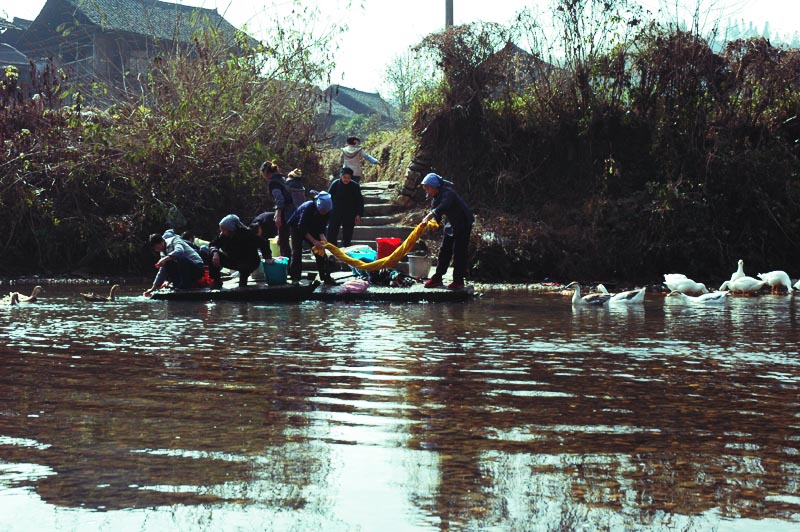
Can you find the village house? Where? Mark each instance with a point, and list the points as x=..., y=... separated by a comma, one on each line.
x=113, y=41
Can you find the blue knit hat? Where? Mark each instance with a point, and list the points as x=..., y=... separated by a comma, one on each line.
x=323, y=202
x=230, y=222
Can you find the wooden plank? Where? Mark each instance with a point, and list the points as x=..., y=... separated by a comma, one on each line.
x=287, y=293
x=412, y=294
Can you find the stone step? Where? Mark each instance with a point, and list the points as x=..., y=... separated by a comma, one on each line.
x=373, y=221
x=380, y=209
x=366, y=232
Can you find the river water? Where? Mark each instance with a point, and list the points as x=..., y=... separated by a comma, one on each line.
x=512, y=412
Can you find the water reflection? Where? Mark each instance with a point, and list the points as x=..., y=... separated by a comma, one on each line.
x=515, y=412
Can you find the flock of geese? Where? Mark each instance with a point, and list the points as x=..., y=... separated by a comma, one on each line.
x=691, y=291
x=15, y=298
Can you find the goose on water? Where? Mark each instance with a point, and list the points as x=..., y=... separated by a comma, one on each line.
x=745, y=285
x=777, y=279
x=10, y=299
x=735, y=275
x=112, y=295
x=718, y=296
x=678, y=282
x=627, y=297
x=596, y=299
x=34, y=294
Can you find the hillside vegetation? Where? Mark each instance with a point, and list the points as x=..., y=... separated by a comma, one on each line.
x=644, y=154
x=640, y=151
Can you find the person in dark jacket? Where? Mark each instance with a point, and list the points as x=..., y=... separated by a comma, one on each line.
x=237, y=248
x=179, y=263
x=264, y=225
x=455, y=242
x=282, y=201
x=309, y=222
x=348, y=207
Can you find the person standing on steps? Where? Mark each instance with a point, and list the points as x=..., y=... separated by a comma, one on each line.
x=455, y=241
x=353, y=156
x=348, y=207
x=282, y=201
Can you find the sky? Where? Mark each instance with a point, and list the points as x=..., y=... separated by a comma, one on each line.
x=379, y=30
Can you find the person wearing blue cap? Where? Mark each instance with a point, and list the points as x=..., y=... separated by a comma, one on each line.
x=447, y=203
x=236, y=247
x=348, y=207
x=308, y=223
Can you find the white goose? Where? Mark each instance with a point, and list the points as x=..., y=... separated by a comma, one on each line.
x=677, y=282
x=777, y=279
x=596, y=299
x=746, y=285
x=709, y=298
x=10, y=299
x=628, y=297
x=735, y=275
x=34, y=295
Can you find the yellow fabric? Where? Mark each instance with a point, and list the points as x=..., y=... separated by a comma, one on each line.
x=389, y=261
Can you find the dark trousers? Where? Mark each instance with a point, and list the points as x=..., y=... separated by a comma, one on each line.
x=284, y=237
x=183, y=272
x=245, y=268
x=346, y=222
x=296, y=262
x=455, y=246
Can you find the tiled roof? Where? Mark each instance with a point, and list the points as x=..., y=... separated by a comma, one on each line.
x=359, y=102
x=162, y=20
x=11, y=56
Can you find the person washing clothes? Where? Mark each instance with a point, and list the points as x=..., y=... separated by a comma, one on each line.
x=309, y=222
x=179, y=263
x=353, y=156
x=348, y=207
x=455, y=241
x=237, y=248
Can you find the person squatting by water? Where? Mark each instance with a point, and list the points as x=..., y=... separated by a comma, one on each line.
x=282, y=201
x=179, y=263
x=455, y=241
x=308, y=223
x=348, y=207
x=353, y=157
x=236, y=247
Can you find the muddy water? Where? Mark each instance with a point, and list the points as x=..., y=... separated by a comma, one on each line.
x=514, y=412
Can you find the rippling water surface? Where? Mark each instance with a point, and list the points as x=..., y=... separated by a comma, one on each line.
x=512, y=412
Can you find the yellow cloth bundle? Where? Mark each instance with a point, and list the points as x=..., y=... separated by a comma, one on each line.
x=389, y=261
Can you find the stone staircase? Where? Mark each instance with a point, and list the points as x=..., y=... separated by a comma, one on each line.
x=381, y=220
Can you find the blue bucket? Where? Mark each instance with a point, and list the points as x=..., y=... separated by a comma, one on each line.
x=276, y=272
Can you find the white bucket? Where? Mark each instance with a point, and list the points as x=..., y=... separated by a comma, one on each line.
x=419, y=267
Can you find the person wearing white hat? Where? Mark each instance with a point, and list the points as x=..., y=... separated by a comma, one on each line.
x=447, y=203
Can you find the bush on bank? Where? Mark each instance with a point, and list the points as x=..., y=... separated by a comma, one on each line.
x=656, y=155
x=82, y=187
